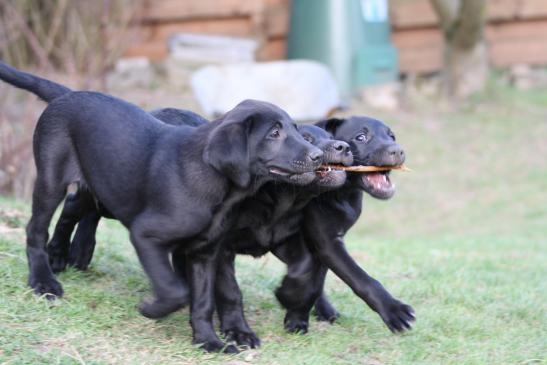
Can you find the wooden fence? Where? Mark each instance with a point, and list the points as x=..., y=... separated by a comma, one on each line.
x=516, y=30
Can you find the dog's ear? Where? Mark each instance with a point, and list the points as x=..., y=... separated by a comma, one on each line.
x=331, y=124
x=227, y=150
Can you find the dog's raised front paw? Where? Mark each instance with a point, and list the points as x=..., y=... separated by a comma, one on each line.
x=398, y=316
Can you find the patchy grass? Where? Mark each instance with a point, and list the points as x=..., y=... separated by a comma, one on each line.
x=463, y=241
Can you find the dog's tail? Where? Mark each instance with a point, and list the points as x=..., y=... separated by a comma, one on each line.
x=45, y=89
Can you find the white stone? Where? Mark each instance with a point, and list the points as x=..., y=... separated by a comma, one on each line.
x=212, y=49
x=304, y=89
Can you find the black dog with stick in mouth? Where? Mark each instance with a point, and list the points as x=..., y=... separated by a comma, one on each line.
x=167, y=184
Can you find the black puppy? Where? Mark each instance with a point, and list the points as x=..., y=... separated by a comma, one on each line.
x=168, y=185
x=328, y=217
x=82, y=209
x=272, y=220
x=264, y=221
x=265, y=224
x=269, y=219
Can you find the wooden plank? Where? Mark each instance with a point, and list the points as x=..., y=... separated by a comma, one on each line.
x=500, y=10
x=532, y=9
x=420, y=60
x=412, y=14
x=238, y=27
x=516, y=30
x=154, y=51
x=168, y=10
x=527, y=51
x=276, y=19
x=412, y=38
x=273, y=49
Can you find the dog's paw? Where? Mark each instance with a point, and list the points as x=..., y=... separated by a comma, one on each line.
x=398, y=316
x=156, y=309
x=58, y=258
x=50, y=287
x=243, y=338
x=57, y=263
x=78, y=262
x=217, y=346
x=296, y=323
x=81, y=252
x=326, y=313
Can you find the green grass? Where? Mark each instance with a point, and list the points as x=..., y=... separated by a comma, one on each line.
x=463, y=241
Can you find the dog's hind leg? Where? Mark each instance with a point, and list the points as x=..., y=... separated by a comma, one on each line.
x=46, y=197
x=324, y=310
x=83, y=244
x=75, y=207
x=303, y=284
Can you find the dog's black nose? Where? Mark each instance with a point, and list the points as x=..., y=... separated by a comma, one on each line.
x=341, y=146
x=396, y=153
x=315, y=155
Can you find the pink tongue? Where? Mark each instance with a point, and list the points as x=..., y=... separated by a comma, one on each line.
x=377, y=179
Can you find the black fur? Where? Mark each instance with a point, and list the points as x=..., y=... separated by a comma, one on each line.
x=171, y=186
x=329, y=216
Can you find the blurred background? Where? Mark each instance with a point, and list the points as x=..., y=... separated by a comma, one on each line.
x=463, y=83
x=361, y=55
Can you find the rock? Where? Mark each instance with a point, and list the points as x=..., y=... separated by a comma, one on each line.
x=305, y=89
x=201, y=48
x=134, y=72
x=189, y=52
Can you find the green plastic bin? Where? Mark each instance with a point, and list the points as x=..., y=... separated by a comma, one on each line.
x=352, y=37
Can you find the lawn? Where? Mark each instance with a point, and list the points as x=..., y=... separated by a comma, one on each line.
x=464, y=241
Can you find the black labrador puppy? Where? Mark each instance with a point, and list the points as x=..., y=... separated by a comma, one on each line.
x=273, y=218
x=305, y=231
x=328, y=217
x=270, y=221
x=264, y=220
x=82, y=209
x=168, y=185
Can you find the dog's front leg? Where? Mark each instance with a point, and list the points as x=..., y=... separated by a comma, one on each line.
x=202, y=274
x=395, y=314
x=229, y=303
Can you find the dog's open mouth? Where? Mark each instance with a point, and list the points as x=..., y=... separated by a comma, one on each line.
x=378, y=184
x=379, y=181
x=374, y=180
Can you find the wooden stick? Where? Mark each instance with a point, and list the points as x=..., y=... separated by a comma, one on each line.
x=366, y=168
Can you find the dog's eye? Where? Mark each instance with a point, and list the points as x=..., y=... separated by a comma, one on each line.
x=275, y=133
x=390, y=133
x=308, y=138
x=361, y=137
